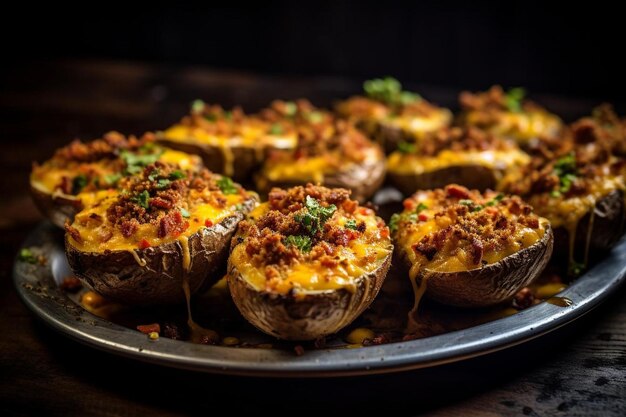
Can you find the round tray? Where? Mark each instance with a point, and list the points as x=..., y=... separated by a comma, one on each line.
x=37, y=285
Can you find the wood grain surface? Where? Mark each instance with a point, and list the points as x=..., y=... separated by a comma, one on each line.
x=578, y=370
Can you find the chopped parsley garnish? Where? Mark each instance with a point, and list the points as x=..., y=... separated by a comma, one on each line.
x=389, y=90
x=513, y=99
x=135, y=162
x=495, y=200
x=210, y=117
x=350, y=224
x=112, y=179
x=142, y=199
x=471, y=204
x=27, y=256
x=411, y=217
x=177, y=175
x=276, y=129
x=227, y=186
x=197, y=106
x=290, y=108
x=406, y=147
x=184, y=212
x=575, y=268
x=78, y=183
x=315, y=116
x=565, y=169
x=301, y=242
x=315, y=216
x=163, y=183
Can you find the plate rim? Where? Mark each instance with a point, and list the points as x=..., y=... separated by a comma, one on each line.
x=587, y=292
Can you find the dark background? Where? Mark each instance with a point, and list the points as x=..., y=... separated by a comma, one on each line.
x=565, y=50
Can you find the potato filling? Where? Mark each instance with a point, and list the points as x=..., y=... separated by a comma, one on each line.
x=456, y=147
x=309, y=239
x=455, y=229
x=83, y=169
x=508, y=114
x=155, y=207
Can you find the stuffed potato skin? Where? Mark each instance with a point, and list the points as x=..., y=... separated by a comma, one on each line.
x=83, y=172
x=298, y=282
x=465, y=156
x=164, y=230
x=466, y=249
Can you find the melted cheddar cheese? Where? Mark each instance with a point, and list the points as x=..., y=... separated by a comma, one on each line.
x=522, y=126
x=91, y=232
x=402, y=163
x=362, y=255
x=458, y=260
x=48, y=176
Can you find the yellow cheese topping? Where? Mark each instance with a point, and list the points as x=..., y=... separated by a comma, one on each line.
x=418, y=126
x=91, y=231
x=460, y=260
x=48, y=176
x=315, y=169
x=410, y=163
x=362, y=255
x=522, y=126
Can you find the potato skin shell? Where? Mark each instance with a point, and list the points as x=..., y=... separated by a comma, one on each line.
x=475, y=177
x=607, y=229
x=493, y=284
x=57, y=208
x=117, y=275
x=307, y=317
x=245, y=159
x=363, y=180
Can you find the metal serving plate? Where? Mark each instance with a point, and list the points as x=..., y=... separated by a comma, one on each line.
x=38, y=287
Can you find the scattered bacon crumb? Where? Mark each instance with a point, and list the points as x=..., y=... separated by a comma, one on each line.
x=208, y=223
x=71, y=284
x=144, y=244
x=299, y=350
x=149, y=328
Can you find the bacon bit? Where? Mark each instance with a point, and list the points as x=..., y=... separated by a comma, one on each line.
x=409, y=204
x=65, y=186
x=523, y=299
x=427, y=249
x=71, y=284
x=172, y=224
x=349, y=206
x=144, y=244
x=299, y=350
x=364, y=211
x=129, y=227
x=457, y=191
x=384, y=232
x=161, y=203
x=149, y=328
x=477, y=251
x=208, y=223
x=422, y=217
x=73, y=232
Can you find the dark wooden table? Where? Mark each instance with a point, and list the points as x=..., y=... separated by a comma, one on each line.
x=577, y=370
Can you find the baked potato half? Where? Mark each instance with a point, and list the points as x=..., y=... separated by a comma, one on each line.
x=577, y=182
x=508, y=115
x=391, y=116
x=83, y=172
x=466, y=156
x=467, y=249
x=231, y=142
x=306, y=263
x=332, y=153
x=163, y=233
